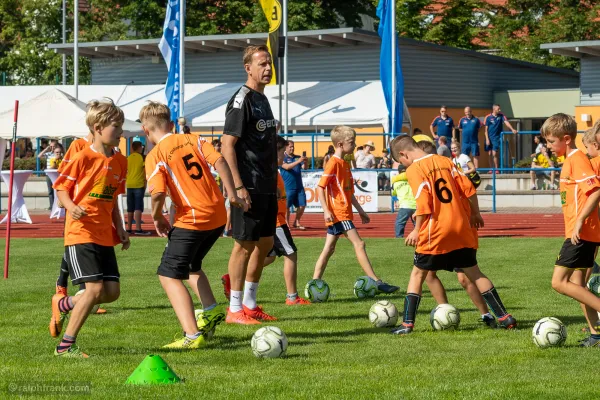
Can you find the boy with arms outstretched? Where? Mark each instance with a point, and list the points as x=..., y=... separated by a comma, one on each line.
x=579, y=196
x=444, y=234
x=336, y=194
x=178, y=166
x=88, y=188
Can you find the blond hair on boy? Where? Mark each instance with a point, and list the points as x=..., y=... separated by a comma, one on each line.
x=155, y=115
x=341, y=133
x=103, y=112
x=589, y=136
x=559, y=125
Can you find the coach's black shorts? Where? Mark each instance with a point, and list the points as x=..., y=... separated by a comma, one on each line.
x=259, y=221
x=90, y=262
x=185, y=251
x=580, y=255
x=283, y=244
x=461, y=258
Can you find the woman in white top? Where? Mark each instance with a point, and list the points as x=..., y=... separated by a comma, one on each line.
x=366, y=159
x=462, y=160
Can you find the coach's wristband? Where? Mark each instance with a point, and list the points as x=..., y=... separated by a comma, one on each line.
x=239, y=187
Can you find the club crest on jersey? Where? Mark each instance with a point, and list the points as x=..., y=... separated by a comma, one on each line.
x=262, y=125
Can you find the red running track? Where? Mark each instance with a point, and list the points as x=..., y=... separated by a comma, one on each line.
x=381, y=226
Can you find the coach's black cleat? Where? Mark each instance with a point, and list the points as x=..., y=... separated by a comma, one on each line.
x=507, y=322
x=489, y=320
x=590, y=342
x=403, y=329
x=383, y=287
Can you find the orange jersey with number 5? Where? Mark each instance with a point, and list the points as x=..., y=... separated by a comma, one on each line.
x=441, y=192
x=178, y=166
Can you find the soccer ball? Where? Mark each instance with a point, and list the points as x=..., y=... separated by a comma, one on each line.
x=383, y=314
x=594, y=285
x=444, y=316
x=365, y=287
x=316, y=290
x=269, y=342
x=549, y=332
x=95, y=308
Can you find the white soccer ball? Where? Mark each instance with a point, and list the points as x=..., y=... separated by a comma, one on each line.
x=365, y=287
x=269, y=342
x=549, y=332
x=95, y=308
x=594, y=285
x=443, y=317
x=316, y=290
x=383, y=314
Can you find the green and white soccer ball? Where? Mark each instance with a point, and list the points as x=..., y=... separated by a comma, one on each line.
x=269, y=342
x=443, y=317
x=365, y=287
x=549, y=332
x=316, y=290
x=383, y=314
x=95, y=308
x=594, y=285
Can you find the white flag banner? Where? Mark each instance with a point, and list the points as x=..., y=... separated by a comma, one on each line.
x=365, y=190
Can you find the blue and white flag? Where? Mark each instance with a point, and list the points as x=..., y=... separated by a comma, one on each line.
x=386, y=15
x=169, y=48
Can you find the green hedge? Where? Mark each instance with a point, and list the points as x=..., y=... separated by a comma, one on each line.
x=23, y=163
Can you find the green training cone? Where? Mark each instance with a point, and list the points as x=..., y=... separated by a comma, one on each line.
x=153, y=371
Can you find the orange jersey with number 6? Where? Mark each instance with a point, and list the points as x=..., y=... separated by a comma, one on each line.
x=178, y=166
x=441, y=192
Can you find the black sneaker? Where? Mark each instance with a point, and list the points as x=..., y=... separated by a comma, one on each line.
x=507, y=322
x=489, y=320
x=403, y=329
x=143, y=233
x=383, y=287
x=129, y=231
x=589, y=342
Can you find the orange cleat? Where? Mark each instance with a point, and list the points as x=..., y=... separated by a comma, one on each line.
x=57, y=319
x=226, y=285
x=101, y=311
x=259, y=314
x=299, y=301
x=240, y=317
x=61, y=290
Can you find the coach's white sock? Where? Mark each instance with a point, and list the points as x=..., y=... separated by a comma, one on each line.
x=250, y=289
x=235, y=301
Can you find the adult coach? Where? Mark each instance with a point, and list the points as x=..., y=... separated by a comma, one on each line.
x=493, y=128
x=291, y=172
x=444, y=125
x=469, y=130
x=249, y=145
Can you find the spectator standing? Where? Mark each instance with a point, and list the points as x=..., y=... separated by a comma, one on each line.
x=364, y=158
x=416, y=132
x=330, y=151
x=58, y=155
x=136, y=187
x=48, y=154
x=469, y=126
x=539, y=143
x=493, y=128
x=443, y=149
x=407, y=205
x=461, y=159
x=444, y=125
x=291, y=172
x=541, y=160
x=383, y=178
x=181, y=122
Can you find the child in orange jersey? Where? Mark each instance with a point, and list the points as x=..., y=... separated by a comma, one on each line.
x=579, y=196
x=444, y=234
x=178, y=167
x=336, y=194
x=88, y=188
x=283, y=243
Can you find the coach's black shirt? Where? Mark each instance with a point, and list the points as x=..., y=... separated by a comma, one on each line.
x=249, y=118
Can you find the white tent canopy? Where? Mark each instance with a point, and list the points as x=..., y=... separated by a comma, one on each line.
x=311, y=104
x=53, y=113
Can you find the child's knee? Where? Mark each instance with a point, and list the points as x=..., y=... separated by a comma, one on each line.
x=111, y=293
x=431, y=277
x=464, y=280
x=557, y=284
x=359, y=244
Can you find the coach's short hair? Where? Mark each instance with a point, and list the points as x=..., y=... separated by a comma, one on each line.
x=103, y=112
x=251, y=50
x=342, y=132
x=401, y=143
x=155, y=115
x=559, y=125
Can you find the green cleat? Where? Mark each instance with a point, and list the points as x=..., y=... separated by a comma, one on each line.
x=73, y=352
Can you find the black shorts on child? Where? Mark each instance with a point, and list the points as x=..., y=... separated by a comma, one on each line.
x=340, y=227
x=460, y=258
x=580, y=255
x=90, y=262
x=283, y=244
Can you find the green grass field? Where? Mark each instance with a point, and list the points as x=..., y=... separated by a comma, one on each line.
x=333, y=350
